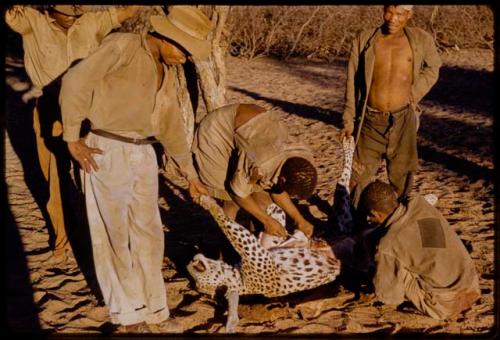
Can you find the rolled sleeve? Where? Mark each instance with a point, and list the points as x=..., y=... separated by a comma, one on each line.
x=240, y=182
x=240, y=186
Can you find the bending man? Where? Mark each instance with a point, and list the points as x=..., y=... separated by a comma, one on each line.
x=244, y=159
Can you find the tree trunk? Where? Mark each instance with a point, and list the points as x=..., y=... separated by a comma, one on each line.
x=209, y=75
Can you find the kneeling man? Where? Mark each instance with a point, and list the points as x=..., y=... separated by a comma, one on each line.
x=419, y=258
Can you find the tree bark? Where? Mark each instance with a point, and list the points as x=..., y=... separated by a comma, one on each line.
x=210, y=76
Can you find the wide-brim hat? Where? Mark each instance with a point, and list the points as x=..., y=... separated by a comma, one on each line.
x=187, y=26
x=73, y=10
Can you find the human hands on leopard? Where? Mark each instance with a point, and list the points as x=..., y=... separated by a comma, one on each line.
x=196, y=189
x=306, y=227
x=273, y=227
x=346, y=132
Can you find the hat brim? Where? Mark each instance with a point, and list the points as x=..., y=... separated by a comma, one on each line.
x=198, y=48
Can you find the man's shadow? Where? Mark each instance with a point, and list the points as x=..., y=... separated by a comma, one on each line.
x=190, y=229
x=19, y=126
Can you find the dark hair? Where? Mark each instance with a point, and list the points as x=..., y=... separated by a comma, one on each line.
x=300, y=177
x=378, y=196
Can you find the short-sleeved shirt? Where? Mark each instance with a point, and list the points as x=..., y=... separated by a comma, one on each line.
x=245, y=160
x=48, y=50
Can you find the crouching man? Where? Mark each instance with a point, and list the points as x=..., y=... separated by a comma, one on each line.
x=419, y=258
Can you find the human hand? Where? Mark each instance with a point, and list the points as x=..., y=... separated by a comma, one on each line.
x=196, y=189
x=83, y=155
x=306, y=227
x=273, y=227
x=346, y=132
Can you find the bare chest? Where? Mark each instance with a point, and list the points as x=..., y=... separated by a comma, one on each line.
x=393, y=57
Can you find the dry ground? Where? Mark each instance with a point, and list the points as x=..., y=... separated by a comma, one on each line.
x=455, y=139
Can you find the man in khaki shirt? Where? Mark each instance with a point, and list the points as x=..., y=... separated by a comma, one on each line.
x=391, y=68
x=245, y=159
x=52, y=41
x=419, y=258
x=127, y=90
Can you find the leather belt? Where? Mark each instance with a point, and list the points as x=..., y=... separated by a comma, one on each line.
x=386, y=113
x=137, y=141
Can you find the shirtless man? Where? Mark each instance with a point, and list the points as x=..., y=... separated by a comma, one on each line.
x=391, y=68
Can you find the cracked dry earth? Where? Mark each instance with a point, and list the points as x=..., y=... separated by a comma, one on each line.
x=455, y=141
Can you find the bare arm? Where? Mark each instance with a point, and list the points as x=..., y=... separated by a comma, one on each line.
x=284, y=201
x=271, y=226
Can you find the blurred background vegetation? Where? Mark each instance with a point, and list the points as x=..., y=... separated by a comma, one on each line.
x=325, y=32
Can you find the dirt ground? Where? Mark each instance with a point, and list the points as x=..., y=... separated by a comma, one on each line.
x=456, y=164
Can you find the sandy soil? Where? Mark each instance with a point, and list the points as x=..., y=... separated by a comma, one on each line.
x=455, y=139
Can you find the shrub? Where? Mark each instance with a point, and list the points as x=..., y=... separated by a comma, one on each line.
x=324, y=32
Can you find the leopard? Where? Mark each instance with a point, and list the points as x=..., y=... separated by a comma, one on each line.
x=343, y=222
x=342, y=207
x=271, y=272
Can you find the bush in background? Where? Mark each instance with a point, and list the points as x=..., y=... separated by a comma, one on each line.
x=325, y=32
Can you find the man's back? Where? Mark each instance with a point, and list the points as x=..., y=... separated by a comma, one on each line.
x=422, y=242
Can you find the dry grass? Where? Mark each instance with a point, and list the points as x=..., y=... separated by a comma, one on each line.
x=324, y=32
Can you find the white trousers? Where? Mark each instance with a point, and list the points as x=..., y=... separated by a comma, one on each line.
x=126, y=230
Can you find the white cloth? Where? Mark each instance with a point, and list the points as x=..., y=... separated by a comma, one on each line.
x=126, y=230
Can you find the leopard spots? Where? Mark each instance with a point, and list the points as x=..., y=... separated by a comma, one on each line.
x=271, y=272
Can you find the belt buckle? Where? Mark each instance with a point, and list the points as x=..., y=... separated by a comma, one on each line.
x=135, y=140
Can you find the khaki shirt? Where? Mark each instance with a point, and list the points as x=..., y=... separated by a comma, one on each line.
x=48, y=50
x=426, y=64
x=420, y=241
x=261, y=147
x=116, y=89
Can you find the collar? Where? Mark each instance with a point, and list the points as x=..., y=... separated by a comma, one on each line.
x=396, y=215
x=378, y=32
x=374, y=36
x=49, y=18
x=52, y=22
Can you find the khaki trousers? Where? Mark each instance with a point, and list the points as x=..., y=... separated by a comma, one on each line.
x=126, y=230
x=442, y=305
x=386, y=136
x=48, y=163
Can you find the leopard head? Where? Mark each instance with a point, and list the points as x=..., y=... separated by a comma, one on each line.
x=210, y=274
